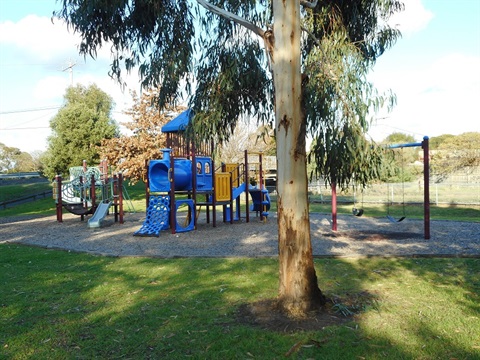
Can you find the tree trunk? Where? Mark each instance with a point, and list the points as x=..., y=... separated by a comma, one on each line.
x=298, y=288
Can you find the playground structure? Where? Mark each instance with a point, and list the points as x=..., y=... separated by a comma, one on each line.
x=187, y=177
x=90, y=191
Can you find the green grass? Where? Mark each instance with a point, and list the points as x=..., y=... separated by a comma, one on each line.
x=441, y=212
x=62, y=305
x=12, y=192
x=47, y=206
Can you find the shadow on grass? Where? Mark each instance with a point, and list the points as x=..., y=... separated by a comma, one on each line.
x=58, y=304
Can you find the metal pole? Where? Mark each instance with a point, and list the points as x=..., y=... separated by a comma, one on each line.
x=58, y=180
x=426, y=187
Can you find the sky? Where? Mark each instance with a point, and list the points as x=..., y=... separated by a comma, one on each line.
x=434, y=70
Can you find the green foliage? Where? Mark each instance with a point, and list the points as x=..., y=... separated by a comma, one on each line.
x=14, y=160
x=343, y=44
x=167, y=46
x=231, y=80
x=454, y=153
x=437, y=141
x=346, y=156
x=143, y=34
x=231, y=67
x=398, y=138
x=78, y=130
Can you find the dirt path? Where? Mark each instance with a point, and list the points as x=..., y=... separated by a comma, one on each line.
x=355, y=237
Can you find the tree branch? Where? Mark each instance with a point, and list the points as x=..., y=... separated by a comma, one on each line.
x=229, y=16
x=308, y=4
x=267, y=36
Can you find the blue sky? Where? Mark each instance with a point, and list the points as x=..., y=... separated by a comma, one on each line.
x=434, y=69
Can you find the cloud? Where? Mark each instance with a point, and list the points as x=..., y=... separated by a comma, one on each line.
x=44, y=39
x=34, y=53
x=414, y=19
x=455, y=73
x=439, y=98
x=39, y=38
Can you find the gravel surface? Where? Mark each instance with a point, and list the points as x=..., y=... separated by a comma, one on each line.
x=356, y=236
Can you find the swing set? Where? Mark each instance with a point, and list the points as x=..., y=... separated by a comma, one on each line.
x=426, y=186
x=359, y=211
x=390, y=217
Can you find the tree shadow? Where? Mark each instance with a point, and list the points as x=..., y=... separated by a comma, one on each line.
x=78, y=305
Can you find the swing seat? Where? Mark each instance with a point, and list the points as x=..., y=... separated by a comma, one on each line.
x=392, y=219
x=357, y=212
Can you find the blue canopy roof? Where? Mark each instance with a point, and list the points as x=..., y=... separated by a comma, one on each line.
x=179, y=123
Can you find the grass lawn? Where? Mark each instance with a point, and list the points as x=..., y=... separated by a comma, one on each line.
x=63, y=305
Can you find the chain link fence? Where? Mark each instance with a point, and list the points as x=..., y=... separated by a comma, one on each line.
x=445, y=193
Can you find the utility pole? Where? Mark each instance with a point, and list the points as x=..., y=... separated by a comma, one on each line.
x=70, y=70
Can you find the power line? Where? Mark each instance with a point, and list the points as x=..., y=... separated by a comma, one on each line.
x=29, y=110
x=27, y=128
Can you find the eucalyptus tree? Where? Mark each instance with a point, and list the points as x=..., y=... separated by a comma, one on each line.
x=340, y=102
x=241, y=57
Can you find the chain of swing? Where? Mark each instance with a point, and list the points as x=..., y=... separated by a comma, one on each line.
x=359, y=211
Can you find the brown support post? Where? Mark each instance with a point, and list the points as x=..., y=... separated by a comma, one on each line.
x=231, y=197
x=334, y=206
x=83, y=196
x=207, y=209
x=115, y=197
x=247, y=186
x=214, y=197
x=194, y=185
x=120, y=196
x=93, y=195
x=147, y=186
x=59, y=205
x=171, y=178
x=224, y=207
x=426, y=188
x=262, y=195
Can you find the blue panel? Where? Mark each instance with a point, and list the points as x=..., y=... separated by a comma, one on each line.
x=191, y=225
x=204, y=173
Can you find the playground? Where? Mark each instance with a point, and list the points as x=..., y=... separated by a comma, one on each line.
x=184, y=177
x=186, y=190
x=363, y=236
